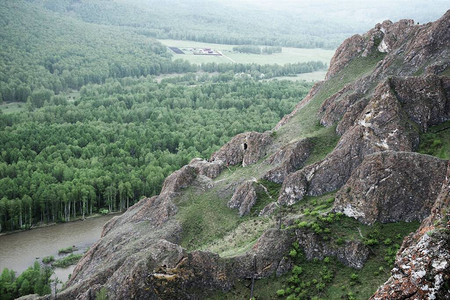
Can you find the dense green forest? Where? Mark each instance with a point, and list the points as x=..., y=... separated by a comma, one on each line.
x=118, y=141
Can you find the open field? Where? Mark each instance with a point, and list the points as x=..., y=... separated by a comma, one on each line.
x=288, y=55
x=12, y=107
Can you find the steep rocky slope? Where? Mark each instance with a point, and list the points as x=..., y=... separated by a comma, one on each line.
x=383, y=89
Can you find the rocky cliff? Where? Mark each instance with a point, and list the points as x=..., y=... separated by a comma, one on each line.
x=383, y=90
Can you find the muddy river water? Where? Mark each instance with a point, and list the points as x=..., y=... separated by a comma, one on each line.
x=19, y=250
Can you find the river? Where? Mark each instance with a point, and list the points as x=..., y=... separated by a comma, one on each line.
x=19, y=250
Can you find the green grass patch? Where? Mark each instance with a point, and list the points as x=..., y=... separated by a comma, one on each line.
x=241, y=239
x=324, y=141
x=204, y=218
x=264, y=197
x=69, y=260
x=436, y=141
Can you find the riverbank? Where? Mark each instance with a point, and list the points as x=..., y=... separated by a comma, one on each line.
x=44, y=225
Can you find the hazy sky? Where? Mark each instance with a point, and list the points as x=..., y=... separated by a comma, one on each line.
x=368, y=11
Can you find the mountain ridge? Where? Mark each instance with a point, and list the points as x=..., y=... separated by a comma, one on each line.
x=380, y=94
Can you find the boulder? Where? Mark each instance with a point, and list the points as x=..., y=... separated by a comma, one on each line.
x=206, y=168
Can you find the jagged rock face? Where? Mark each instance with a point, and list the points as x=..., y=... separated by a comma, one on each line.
x=352, y=253
x=348, y=50
x=385, y=123
x=391, y=187
x=410, y=47
x=208, y=169
x=244, y=198
x=179, y=179
x=289, y=159
x=381, y=126
x=422, y=265
x=246, y=149
x=337, y=105
x=426, y=100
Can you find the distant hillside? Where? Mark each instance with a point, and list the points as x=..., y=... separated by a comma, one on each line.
x=305, y=24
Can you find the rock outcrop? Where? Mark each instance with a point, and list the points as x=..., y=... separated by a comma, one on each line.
x=353, y=253
x=289, y=159
x=244, y=198
x=392, y=186
x=422, y=265
x=385, y=123
x=246, y=149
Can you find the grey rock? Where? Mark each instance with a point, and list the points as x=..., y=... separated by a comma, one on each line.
x=244, y=198
x=246, y=149
x=353, y=253
x=288, y=159
x=392, y=186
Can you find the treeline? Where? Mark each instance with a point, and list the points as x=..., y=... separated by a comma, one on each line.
x=118, y=141
x=269, y=71
x=34, y=280
x=256, y=49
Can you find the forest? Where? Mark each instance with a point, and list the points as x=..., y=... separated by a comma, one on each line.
x=117, y=141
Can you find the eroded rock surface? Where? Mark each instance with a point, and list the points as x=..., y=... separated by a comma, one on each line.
x=208, y=169
x=289, y=159
x=353, y=253
x=244, y=198
x=246, y=149
x=385, y=123
x=422, y=265
x=392, y=186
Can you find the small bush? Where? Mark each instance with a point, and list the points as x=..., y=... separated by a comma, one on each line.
x=48, y=259
x=293, y=253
